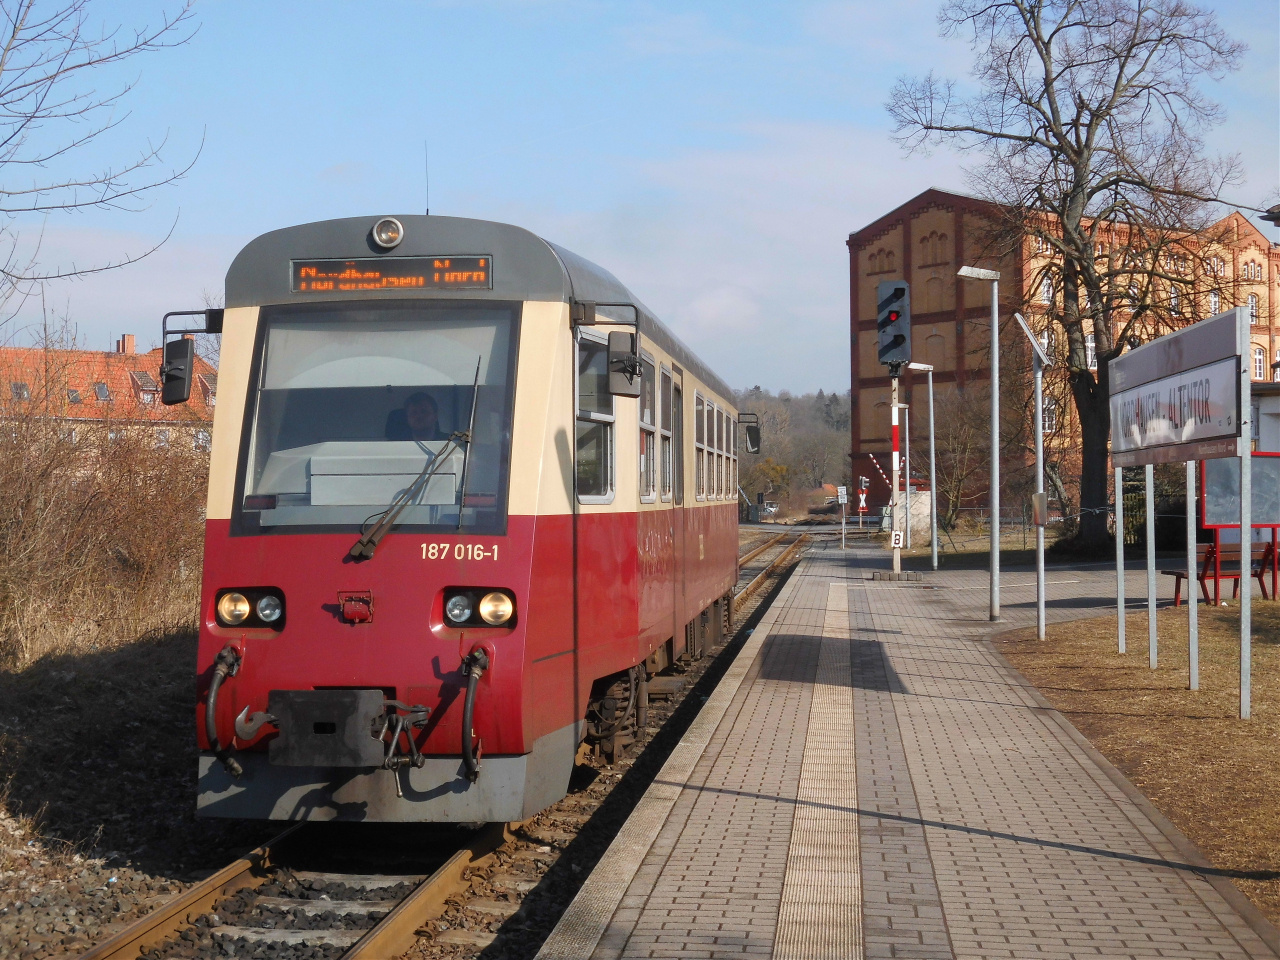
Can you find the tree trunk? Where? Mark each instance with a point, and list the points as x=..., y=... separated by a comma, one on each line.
x=1092, y=404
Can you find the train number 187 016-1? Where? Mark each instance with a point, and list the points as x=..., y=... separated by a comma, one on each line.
x=459, y=551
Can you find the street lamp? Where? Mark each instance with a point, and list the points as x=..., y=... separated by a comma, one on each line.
x=933, y=483
x=906, y=462
x=1039, y=360
x=977, y=273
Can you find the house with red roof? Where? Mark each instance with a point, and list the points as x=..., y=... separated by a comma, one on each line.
x=116, y=390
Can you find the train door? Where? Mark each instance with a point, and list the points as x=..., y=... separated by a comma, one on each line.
x=679, y=567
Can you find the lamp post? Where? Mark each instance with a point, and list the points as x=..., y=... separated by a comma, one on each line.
x=927, y=368
x=1039, y=360
x=906, y=468
x=977, y=273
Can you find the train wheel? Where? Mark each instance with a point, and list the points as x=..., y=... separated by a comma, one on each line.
x=613, y=710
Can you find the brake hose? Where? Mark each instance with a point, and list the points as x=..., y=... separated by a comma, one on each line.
x=475, y=664
x=226, y=665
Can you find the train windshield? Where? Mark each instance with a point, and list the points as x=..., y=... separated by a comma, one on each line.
x=353, y=401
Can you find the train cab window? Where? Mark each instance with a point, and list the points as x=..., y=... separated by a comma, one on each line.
x=664, y=419
x=352, y=402
x=648, y=431
x=595, y=422
x=699, y=448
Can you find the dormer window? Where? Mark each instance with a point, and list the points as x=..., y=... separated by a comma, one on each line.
x=209, y=387
x=146, y=386
x=102, y=392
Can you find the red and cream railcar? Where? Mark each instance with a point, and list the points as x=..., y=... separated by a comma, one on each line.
x=440, y=552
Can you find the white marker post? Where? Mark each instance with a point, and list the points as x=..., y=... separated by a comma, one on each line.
x=1120, y=557
x=1149, y=483
x=1039, y=360
x=1193, y=584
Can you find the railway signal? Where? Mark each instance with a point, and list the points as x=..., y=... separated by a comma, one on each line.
x=893, y=322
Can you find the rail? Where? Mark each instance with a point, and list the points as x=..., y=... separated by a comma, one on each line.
x=392, y=936
x=780, y=560
x=747, y=558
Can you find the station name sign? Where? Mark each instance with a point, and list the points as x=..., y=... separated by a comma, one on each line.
x=1178, y=397
x=1189, y=407
x=391, y=273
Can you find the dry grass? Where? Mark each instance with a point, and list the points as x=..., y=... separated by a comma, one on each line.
x=1217, y=777
x=101, y=535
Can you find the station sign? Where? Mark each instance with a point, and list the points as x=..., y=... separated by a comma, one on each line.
x=1177, y=398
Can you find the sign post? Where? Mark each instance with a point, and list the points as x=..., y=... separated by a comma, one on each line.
x=843, y=495
x=1182, y=397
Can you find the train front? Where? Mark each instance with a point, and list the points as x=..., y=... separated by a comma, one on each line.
x=364, y=644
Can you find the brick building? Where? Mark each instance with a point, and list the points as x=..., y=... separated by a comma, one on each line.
x=928, y=238
x=98, y=390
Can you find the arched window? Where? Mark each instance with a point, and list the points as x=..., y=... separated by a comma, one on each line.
x=942, y=249
x=1253, y=308
x=1275, y=371
x=1175, y=302
x=1090, y=352
x=890, y=259
x=1259, y=363
x=1046, y=290
x=1215, y=302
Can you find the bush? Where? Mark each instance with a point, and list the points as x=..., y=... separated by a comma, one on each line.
x=101, y=534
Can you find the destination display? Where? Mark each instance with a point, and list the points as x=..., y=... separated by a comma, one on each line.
x=1197, y=406
x=391, y=273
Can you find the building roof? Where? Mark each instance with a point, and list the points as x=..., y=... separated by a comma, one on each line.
x=120, y=385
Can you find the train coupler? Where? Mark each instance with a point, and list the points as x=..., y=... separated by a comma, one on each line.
x=396, y=719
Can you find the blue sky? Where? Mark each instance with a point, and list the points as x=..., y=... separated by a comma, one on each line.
x=713, y=155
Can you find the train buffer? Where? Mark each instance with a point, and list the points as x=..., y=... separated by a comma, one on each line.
x=869, y=779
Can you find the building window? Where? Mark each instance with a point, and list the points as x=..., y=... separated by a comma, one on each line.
x=1046, y=290
x=1134, y=297
x=1259, y=363
x=162, y=439
x=1253, y=308
x=202, y=440
x=595, y=422
x=1049, y=416
x=20, y=391
x=1175, y=302
x=1275, y=370
x=1215, y=302
x=648, y=431
x=1090, y=352
x=101, y=391
x=114, y=434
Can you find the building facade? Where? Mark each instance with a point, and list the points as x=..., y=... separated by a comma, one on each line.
x=928, y=238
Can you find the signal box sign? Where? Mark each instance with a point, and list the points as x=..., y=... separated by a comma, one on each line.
x=373, y=274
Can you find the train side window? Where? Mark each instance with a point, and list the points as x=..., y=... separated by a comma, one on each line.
x=677, y=441
x=648, y=432
x=719, y=454
x=664, y=419
x=699, y=449
x=732, y=440
x=594, y=423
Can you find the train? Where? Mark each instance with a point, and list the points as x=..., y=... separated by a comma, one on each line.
x=467, y=495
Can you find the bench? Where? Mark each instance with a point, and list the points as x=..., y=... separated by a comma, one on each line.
x=1263, y=556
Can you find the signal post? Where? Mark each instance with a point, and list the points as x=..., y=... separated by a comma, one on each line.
x=893, y=328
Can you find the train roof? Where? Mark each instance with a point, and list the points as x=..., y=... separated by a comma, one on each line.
x=524, y=267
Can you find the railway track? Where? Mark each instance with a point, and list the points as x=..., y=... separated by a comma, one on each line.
x=322, y=891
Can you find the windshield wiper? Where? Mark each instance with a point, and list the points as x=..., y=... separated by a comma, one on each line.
x=363, y=548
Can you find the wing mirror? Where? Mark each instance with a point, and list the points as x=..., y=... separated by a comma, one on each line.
x=750, y=424
x=176, y=371
x=624, y=364
x=180, y=355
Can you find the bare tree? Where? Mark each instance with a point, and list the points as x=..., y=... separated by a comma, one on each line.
x=1090, y=123
x=57, y=100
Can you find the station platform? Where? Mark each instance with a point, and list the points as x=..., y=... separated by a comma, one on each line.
x=871, y=779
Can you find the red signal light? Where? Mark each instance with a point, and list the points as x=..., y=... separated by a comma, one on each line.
x=893, y=316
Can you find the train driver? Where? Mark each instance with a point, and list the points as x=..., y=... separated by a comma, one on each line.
x=418, y=420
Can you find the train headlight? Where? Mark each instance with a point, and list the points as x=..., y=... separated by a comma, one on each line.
x=269, y=609
x=458, y=608
x=388, y=232
x=496, y=608
x=233, y=609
